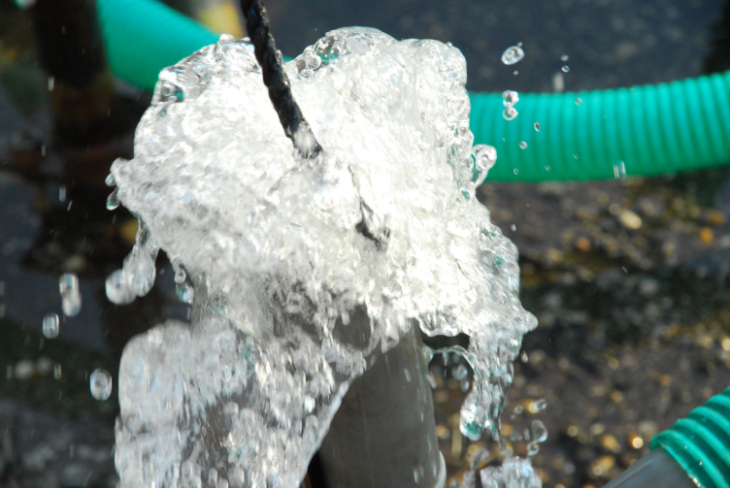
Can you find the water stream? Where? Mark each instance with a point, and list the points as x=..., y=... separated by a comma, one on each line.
x=281, y=251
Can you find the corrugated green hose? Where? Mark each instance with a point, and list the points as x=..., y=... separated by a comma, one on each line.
x=144, y=36
x=640, y=131
x=700, y=442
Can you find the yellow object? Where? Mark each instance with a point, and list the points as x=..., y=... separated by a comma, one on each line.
x=221, y=17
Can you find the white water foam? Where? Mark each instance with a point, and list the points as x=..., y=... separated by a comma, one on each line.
x=282, y=250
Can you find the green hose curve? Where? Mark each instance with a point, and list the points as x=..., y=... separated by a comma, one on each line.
x=144, y=36
x=700, y=442
x=651, y=130
x=648, y=130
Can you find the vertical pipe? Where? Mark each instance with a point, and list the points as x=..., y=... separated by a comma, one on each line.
x=384, y=433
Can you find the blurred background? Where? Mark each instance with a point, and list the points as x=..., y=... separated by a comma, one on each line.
x=628, y=278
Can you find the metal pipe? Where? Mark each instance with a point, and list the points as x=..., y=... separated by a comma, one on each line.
x=384, y=433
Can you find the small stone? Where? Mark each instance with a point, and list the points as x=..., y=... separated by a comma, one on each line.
x=629, y=219
x=609, y=442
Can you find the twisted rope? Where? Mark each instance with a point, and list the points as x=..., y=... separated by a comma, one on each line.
x=290, y=115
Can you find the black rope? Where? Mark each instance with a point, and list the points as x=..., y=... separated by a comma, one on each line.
x=291, y=117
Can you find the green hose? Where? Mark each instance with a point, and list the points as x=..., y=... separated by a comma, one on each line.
x=144, y=36
x=639, y=131
x=700, y=442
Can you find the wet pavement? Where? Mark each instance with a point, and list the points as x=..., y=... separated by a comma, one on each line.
x=628, y=278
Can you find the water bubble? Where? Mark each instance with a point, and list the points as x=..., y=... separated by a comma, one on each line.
x=484, y=158
x=564, y=57
x=532, y=448
x=50, y=326
x=539, y=431
x=513, y=227
x=62, y=193
x=109, y=180
x=524, y=357
x=575, y=156
x=512, y=55
x=509, y=113
x=118, y=289
x=523, y=145
x=547, y=168
x=537, y=126
x=460, y=372
x=619, y=170
x=180, y=275
x=539, y=405
x=510, y=98
x=565, y=68
x=57, y=371
x=519, y=409
x=185, y=293
x=515, y=73
x=516, y=171
x=112, y=202
x=578, y=101
x=68, y=285
x=100, y=383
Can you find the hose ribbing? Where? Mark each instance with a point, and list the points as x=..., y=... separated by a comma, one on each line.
x=699, y=442
x=666, y=128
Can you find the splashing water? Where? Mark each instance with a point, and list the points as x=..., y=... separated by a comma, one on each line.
x=50, y=326
x=513, y=55
x=68, y=286
x=281, y=251
x=100, y=384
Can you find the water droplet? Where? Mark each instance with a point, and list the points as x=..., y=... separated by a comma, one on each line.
x=51, y=83
x=565, y=68
x=513, y=227
x=564, y=57
x=547, y=168
x=523, y=357
x=515, y=73
x=484, y=158
x=68, y=285
x=578, y=101
x=619, y=170
x=112, y=202
x=540, y=405
x=523, y=145
x=532, y=448
x=510, y=98
x=185, y=293
x=118, y=289
x=100, y=384
x=512, y=55
x=537, y=126
x=109, y=180
x=180, y=275
x=539, y=431
x=50, y=326
x=57, y=371
x=575, y=156
x=509, y=113
x=62, y=194
x=460, y=372
x=516, y=171
x=519, y=409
